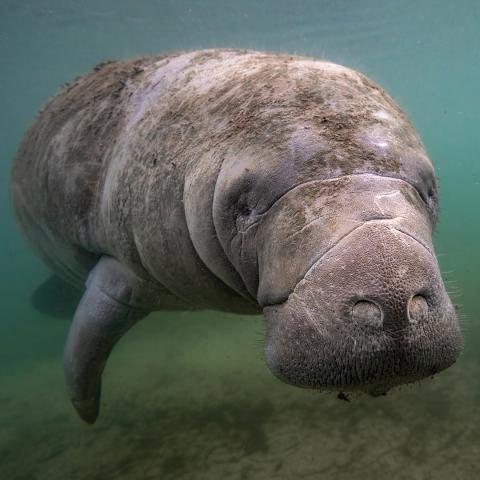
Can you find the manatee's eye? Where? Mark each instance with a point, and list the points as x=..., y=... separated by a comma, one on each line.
x=432, y=195
x=429, y=196
x=236, y=204
x=244, y=209
x=242, y=212
x=242, y=198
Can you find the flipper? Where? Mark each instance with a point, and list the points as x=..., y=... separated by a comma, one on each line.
x=55, y=298
x=114, y=300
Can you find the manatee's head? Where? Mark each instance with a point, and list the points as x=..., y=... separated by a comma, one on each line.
x=350, y=286
x=369, y=310
x=332, y=236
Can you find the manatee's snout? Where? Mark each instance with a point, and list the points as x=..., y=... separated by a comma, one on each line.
x=370, y=314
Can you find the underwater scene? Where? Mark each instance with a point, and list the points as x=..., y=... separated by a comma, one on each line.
x=188, y=394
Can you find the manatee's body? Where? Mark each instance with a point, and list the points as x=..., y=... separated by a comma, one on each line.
x=225, y=179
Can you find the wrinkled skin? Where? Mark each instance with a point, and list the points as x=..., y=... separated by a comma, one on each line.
x=245, y=182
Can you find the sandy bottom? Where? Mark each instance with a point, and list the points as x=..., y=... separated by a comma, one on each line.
x=189, y=397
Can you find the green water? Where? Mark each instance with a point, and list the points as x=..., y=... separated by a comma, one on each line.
x=187, y=396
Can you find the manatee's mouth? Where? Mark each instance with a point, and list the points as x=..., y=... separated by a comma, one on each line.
x=312, y=360
x=369, y=316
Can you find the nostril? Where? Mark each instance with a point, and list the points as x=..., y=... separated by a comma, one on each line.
x=367, y=312
x=417, y=308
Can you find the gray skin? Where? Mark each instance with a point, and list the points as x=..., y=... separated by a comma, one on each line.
x=244, y=182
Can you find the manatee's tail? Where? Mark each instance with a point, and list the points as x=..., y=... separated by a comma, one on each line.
x=110, y=306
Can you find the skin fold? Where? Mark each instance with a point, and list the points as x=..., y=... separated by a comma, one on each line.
x=246, y=182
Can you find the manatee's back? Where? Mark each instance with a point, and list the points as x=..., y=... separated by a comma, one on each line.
x=58, y=172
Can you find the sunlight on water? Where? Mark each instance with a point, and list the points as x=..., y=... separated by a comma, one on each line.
x=188, y=395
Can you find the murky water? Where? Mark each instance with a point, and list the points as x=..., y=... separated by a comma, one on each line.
x=188, y=395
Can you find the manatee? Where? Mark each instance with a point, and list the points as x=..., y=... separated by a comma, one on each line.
x=245, y=182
